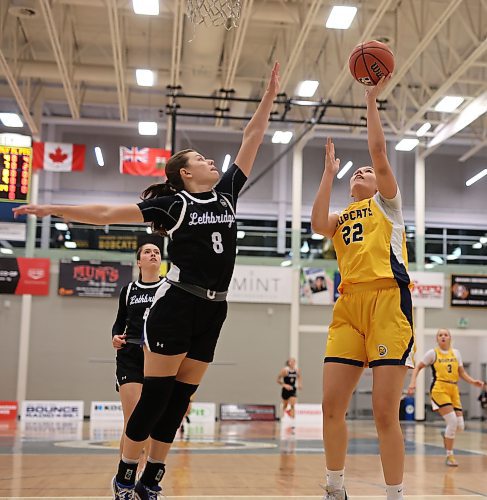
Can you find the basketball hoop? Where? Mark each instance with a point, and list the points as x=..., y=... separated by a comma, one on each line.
x=214, y=12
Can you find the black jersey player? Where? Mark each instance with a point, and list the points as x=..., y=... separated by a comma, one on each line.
x=127, y=332
x=196, y=209
x=290, y=380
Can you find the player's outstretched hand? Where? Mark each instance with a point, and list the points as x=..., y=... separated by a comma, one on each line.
x=411, y=390
x=332, y=164
x=371, y=93
x=37, y=210
x=273, y=85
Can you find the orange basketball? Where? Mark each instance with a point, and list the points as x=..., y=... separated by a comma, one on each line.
x=370, y=61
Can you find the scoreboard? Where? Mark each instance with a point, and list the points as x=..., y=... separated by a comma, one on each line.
x=15, y=174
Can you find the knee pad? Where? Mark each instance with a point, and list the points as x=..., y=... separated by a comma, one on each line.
x=460, y=423
x=156, y=392
x=451, y=425
x=168, y=424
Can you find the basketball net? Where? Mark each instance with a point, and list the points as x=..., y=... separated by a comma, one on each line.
x=214, y=12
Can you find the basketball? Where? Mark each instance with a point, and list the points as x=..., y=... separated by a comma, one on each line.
x=370, y=61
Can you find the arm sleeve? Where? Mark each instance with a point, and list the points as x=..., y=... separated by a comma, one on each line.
x=458, y=356
x=164, y=210
x=121, y=320
x=231, y=183
x=429, y=357
x=391, y=204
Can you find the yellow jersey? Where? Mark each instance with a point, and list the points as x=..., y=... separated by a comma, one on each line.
x=445, y=366
x=370, y=241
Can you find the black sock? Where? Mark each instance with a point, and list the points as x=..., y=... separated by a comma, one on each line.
x=126, y=473
x=153, y=473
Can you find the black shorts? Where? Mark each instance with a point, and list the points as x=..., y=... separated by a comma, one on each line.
x=180, y=322
x=285, y=394
x=130, y=365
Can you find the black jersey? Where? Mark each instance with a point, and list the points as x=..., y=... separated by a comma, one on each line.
x=202, y=230
x=135, y=299
x=291, y=377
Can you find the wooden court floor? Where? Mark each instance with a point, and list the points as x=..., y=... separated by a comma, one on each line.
x=237, y=461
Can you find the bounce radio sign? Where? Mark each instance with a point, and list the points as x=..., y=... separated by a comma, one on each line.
x=52, y=410
x=24, y=276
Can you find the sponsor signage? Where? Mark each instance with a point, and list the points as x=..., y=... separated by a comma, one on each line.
x=106, y=410
x=202, y=412
x=93, y=278
x=428, y=289
x=266, y=284
x=8, y=410
x=308, y=413
x=52, y=410
x=120, y=243
x=24, y=276
x=468, y=291
x=247, y=412
x=12, y=231
x=317, y=286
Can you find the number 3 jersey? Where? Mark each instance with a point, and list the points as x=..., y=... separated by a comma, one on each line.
x=444, y=364
x=370, y=241
x=202, y=231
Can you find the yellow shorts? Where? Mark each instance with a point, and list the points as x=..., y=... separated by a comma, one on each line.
x=444, y=394
x=372, y=325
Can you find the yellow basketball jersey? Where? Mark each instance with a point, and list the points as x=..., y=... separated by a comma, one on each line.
x=445, y=367
x=370, y=242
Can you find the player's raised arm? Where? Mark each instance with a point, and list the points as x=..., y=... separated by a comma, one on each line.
x=322, y=222
x=88, y=214
x=254, y=131
x=386, y=181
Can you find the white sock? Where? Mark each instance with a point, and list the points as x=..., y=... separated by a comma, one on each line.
x=129, y=460
x=334, y=479
x=394, y=491
x=154, y=461
x=449, y=452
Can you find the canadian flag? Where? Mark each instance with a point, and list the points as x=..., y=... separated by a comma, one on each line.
x=143, y=161
x=58, y=156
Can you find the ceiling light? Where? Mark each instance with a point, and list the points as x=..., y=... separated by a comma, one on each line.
x=455, y=254
x=286, y=263
x=11, y=120
x=477, y=246
x=429, y=265
x=316, y=236
x=476, y=177
x=6, y=251
x=437, y=259
x=146, y=7
x=423, y=129
x=344, y=169
x=147, y=128
x=240, y=235
x=483, y=240
x=307, y=88
x=70, y=244
x=144, y=77
x=449, y=103
x=226, y=163
x=407, y=144
x=467, y=115
x=341, y=17
x=61, y=226
x=282, y=137
x=75, y=258
x=99, y=156
x=148, y=230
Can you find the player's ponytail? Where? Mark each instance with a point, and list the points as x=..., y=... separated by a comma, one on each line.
x=173, y=184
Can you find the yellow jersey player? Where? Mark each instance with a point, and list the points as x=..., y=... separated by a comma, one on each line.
x=447, y=368
x=372, y=319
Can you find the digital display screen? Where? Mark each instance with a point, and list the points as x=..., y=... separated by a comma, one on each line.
x=15, y=174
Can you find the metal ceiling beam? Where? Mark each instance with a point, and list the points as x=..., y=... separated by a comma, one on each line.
x=479, y=50
x=300, y=40
x=344, y=75
x=24, y=108
x=58, y=55
x=177, y=43
x=117, y=48
x=475, y=149
x=401, y=71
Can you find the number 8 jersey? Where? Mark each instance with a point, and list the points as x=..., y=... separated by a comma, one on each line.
x=370, y=241
x=202, y=231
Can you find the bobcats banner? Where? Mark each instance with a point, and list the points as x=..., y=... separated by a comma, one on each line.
x=93, y=278
x=468, y=291
x=24, y=276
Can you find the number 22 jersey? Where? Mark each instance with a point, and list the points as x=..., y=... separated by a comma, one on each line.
x=370, y=241
x=202, y=231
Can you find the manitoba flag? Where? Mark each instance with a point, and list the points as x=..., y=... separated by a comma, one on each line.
x=59, y=157
x=143, y=161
